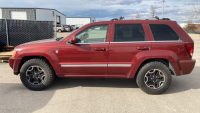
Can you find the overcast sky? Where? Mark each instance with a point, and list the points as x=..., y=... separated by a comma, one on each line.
x=178, y=10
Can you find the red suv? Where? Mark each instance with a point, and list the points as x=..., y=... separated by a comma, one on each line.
x=150, y=50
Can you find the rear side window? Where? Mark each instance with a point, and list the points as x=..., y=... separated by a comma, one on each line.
x=163, y=32
x=129, y=32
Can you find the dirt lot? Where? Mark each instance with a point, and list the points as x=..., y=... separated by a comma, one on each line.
x=63, y=34
x=85, y=95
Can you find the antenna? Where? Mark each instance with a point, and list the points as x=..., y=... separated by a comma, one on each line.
x=163, y=7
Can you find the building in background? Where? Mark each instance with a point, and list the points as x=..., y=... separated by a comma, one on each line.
x=79, y=21
x=40, y=14
x=185, y=24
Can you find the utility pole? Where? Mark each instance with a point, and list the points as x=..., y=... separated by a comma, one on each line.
x=163, y=7
x=55, y=28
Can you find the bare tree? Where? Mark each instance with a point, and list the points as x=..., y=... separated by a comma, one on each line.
x=137, y=15
x=153, y=11
x=195, y=12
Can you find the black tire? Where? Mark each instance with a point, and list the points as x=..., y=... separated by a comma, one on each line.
x=48, y=74
x=146, y=77
x=59, y=30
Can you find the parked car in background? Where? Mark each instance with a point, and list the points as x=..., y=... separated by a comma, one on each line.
x=150, y=50
x=74, y=27
x=61, y=28
x=71, y=28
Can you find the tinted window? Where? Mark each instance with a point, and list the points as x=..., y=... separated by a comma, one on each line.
x=129, y=32
x=163, y=32
x=58, y=25
x=65, y=26
x=94, y=34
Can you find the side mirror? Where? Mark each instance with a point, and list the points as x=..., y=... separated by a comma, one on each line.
x=73, y=40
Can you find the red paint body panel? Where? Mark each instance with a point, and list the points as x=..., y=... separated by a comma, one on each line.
x=79, y=53
x=187, y=66
x=118, y=60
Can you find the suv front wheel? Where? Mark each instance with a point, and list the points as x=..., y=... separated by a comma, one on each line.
x=154, y=78
x=36, y=74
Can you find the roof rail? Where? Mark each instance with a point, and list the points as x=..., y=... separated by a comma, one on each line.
x=156, y=17
x=165, y=19
x=114, y=19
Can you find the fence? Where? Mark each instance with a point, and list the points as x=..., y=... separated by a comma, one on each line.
x=22, y=31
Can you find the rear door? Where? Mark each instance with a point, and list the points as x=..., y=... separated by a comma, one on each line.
x=128, y=39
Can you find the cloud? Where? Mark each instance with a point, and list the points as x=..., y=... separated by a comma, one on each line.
x=100, y=13
x=114, y=2
x=176, y=10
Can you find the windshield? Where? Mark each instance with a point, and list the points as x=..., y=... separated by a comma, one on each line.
x=73, y=32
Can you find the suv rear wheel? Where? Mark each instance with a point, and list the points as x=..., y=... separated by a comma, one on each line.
x=59, y=30
x=154, y=78
x=36, y=74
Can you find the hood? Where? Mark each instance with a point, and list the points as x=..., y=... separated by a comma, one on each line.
x=40, y=42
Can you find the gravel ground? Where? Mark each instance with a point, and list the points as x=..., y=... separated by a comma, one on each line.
x=89, y=95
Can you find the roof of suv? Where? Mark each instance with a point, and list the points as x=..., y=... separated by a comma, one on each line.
x=141, y=21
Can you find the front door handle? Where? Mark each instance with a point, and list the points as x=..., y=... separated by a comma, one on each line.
x=99, y=49
x=143, y=48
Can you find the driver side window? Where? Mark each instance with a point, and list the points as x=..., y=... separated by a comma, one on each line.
x=93, y=34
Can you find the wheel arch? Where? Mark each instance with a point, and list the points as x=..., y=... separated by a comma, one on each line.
x=162, y=60
x=26, y=58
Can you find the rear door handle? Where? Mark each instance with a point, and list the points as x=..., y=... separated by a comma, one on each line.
x=100, y=49
x=143, y=48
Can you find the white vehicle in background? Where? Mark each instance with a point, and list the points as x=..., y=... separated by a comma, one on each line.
x=74, y=27
x=79, y=26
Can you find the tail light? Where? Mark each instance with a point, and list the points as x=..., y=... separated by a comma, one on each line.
x=190, y=49
x=62, y=27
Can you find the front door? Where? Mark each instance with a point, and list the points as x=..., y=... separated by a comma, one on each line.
x=89, y=55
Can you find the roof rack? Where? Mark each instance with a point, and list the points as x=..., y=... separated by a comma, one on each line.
x=154, y=18
x=162, y=18
x=120, y=18
x=114, y=19
x=165, y=19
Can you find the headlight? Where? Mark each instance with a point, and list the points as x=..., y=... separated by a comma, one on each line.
x=14, y=53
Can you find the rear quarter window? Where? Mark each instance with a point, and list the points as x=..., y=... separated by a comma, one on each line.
x=163, y=32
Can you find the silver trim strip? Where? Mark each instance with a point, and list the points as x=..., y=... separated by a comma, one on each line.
x=149, y=41
x=93, y=43
x=119, y=65
x=85, y=65
x=97, y=65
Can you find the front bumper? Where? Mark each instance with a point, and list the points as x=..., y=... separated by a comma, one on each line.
x=187, y=66
x=14, y=64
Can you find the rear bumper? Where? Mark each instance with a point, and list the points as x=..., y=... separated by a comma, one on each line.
x=187, y=66
x=14, y=63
